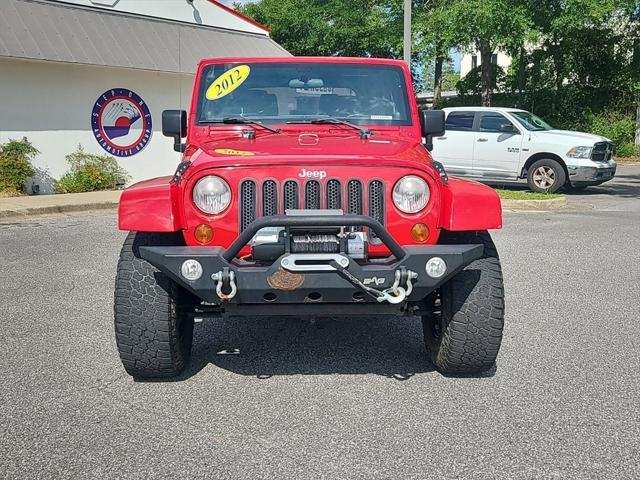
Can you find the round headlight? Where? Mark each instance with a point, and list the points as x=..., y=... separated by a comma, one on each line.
x=411, y=194
x=211, y=194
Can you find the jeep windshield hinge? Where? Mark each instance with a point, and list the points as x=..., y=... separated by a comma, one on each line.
x=182, y=167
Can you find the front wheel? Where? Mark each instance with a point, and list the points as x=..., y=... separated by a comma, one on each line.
x=546, y=176
x=464, y=322
x=154, y=328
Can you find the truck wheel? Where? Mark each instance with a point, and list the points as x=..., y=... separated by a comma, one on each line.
x=463, y=329
x=154, y=330
x=546, y=176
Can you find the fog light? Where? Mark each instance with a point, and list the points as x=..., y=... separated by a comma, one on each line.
x=203, y=233
x=191, y=270
x=436, y=267
x=420, y=232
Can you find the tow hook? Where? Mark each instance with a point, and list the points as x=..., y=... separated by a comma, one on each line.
x=397, y=293
x=225, y=278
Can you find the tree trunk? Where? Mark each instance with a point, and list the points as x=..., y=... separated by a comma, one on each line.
x=558, y=63
x=521, y=66
x=485, y=72
x=636, y=68
x=437, y=81
x=638, y=126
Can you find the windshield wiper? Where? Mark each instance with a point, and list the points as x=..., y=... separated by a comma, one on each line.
x=242, y=121
x=364, y=132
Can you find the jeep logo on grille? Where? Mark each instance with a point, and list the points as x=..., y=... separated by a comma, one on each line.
x=320, y=174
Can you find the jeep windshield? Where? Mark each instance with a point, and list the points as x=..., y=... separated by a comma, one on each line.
x=531, y=122
x=281, y=93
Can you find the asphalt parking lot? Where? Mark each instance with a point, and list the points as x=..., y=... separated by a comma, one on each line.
x=331, y=398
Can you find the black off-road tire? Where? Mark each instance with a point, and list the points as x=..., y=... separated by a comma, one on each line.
x=154, y=330
x=554, y=168
x=463, y=333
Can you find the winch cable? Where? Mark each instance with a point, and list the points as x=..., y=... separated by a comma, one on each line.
x=381, y=295
x=346, y=274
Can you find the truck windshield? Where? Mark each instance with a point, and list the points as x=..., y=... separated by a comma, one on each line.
x=278, y=93
x=531, y=122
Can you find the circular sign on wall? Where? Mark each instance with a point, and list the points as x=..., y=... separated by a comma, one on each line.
x=121, y=122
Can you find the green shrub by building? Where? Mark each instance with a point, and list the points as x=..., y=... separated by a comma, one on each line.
x=91, y=172
x=15, y=165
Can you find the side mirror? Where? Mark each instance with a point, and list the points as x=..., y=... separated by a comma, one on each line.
x=508, y=128
x=174, y=124
x=432, y=122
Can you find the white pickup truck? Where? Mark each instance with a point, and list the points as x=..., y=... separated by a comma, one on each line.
x=507, y=144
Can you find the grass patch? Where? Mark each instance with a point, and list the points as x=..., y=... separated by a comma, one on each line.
x=525, y=195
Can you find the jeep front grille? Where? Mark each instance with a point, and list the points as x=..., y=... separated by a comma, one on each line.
x=334, y=195
x=376, y=200
x=248, y=198
x=354, y=197
x=269, y=198
x=312, y=195
x=277, y=198
x=291, y=200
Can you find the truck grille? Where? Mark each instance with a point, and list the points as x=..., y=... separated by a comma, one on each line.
x=602, y=152
x=277, y=198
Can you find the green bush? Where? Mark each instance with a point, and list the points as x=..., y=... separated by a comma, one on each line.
x=618, y=128
x=15, y=165
x=90, y=172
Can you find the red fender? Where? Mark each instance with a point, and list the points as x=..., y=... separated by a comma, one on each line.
x=469, y=205
x=150, y=206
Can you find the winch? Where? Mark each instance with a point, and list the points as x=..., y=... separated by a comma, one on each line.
x=272, y=242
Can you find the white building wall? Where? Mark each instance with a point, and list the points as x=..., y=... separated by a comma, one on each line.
x=466, y=62
x=51, y=103
x=201, y=12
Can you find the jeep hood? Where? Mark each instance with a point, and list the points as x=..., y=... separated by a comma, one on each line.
x=569, y=138
x=309, y=148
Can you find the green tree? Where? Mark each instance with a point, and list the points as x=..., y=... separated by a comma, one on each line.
x=436, y=37
x=586, y=59
x=332, y=27
x=487, y=26
x=358, y=28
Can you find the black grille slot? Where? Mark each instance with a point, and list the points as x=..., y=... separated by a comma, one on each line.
x=376, y=201
x=354, y=197
x=602, y=152
x=269, y=198
x=247, y=203
x=312, y=195
x=334, y=194
x=291, y=196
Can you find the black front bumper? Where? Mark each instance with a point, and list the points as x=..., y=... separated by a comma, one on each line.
x=262, y=286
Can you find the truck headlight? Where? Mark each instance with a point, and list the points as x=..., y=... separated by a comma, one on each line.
x=411, y=194
x=580, y=152
x=211, y=194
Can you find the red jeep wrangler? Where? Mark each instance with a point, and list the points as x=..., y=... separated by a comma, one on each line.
x=306, y=188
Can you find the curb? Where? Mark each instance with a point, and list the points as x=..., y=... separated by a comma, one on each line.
x=27, y=212
x=534, y=205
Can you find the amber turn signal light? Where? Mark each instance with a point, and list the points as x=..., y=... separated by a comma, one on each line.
x=203, y=233
x=420, y=232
